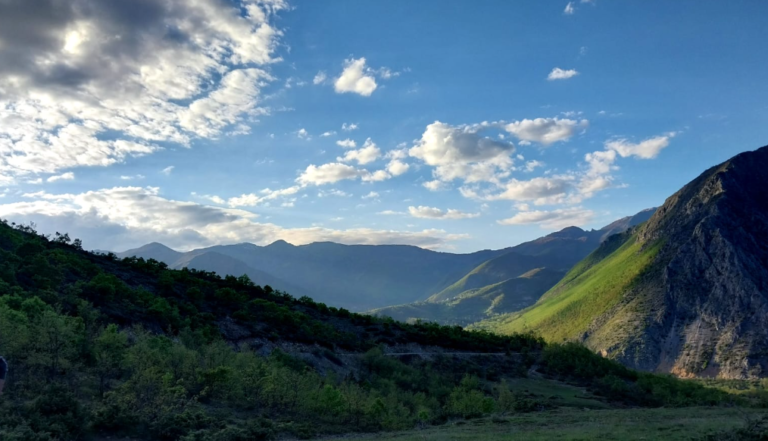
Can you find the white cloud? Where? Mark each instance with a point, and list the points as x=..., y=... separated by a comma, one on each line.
x=436, y=213
x=355, y=78
x=561, y=74
x=390, y=213
x=601, y=164
x=62, y=177
x=128, y=217
x=333, y=192
x=319, y=78
x=648, y=149
x=349, y=127
x=368, y=153
x=328, y=174
x=130, y=178
x=253, y=199
x=371, y=195
x=346, y=143
x=540, y=190
x=442, y=144
x=378, y=175
x=396, y=167
x=461, y=152
x=168, y=170
x=532, y=165
x=552, y=220
x=545, y=131
x=569, y=9
x=327, y=134
x=303, y=134
x=213, y=198
x=434, y=185
x=185, y=70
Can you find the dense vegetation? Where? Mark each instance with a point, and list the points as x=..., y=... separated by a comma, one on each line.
x=101, y=345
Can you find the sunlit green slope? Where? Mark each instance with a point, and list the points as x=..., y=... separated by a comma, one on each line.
x=587, y=292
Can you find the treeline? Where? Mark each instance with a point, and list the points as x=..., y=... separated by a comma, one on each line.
x=102, y=345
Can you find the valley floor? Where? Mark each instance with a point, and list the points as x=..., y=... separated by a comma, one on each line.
x=573, y=424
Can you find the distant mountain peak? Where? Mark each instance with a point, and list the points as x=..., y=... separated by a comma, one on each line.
x=280, y=243
x=568, y=232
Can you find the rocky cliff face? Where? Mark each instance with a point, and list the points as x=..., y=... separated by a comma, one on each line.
x=704, y=301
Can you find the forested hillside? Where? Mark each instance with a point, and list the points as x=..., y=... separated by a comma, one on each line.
x=101, y=346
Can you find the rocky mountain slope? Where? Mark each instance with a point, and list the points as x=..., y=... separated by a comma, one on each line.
x=686, y=292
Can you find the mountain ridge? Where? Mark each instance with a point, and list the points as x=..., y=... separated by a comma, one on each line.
x=686, y=292
x=556, y=253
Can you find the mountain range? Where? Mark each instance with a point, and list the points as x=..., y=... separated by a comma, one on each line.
x=367, y=277
x=686, y=292
x=356, y=277
x=512, y=281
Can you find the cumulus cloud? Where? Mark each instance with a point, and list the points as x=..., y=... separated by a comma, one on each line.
x=141, y=71
x=442, y=144
x=355, y=78
x=346, y=143
x=540, y=190
x=552, y=220
x=601, y=164
x=434, y=185
x=545, y=131
x=570, y=9
x=168, y=170
x=376, y=176
x=436, y=213
x=371, y=195
x=461, y=152
x=348, y=127
x=62, y=177
x=368, y=153
x=327, y=134
x=303, y=134
x=127, y=217
x=647, y=149
x=397, y=167
x=561, y=74
x=131, y=177
x=328, y=173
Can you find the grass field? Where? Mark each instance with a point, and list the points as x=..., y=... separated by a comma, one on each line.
x=587, y=291
x=570, y=424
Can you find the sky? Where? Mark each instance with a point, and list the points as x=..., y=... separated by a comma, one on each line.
x=449, y=125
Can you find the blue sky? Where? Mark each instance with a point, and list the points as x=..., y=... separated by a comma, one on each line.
x=474, y=125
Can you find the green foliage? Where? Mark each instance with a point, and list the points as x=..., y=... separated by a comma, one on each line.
x=588, y=290
x=618, y=383
x=129, y=347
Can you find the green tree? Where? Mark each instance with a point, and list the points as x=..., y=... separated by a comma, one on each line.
x=109, y=352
